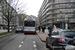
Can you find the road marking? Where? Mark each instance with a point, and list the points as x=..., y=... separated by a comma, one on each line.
x=22, y=42
x=20, y=46
x=35, y=49
x=33, y=41
x=34, y=45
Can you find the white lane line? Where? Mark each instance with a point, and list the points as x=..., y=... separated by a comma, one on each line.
x=33, y=41
x=34, y=45
x=22, y=42
x=35, y=49
x=20, y=46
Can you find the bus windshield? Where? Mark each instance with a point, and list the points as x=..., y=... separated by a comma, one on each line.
x=29, y=23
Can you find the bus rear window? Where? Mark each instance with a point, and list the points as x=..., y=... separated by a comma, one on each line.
x=29, y=23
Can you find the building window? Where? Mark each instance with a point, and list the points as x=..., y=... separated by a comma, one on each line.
x=72, y=5
x=72, y=10
x=72, y=20
x=67, y=10
x=51, y=1
x=56, y=11
x=55, y=15
x=61, y=19
x=62, y=5
x=61, y=1
x=62, y=10
x=55, y=6
x=67, y=0
x=2, y=21
x=71, y=15
x=61, y=15
x=56, y=1
x=67, y=5
x=71, y=0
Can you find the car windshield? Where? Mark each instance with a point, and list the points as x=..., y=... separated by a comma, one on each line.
x=70, y=34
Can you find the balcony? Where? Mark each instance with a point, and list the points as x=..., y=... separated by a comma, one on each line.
x=72, y=20
x=49, y=8
x=49, y=13
x=48, y=4
x=49, y=17
x=49, y=22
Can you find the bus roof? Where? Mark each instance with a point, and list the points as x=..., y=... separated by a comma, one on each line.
x=29, y=19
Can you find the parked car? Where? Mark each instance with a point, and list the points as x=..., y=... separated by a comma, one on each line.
x=71, y=45
x=19, y=29
x=59, y=38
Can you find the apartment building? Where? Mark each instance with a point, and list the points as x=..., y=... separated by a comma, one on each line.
x=57, y=12
x=2, y=21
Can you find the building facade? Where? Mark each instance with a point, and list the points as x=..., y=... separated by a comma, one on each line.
x=2, y=21
x=57, y=12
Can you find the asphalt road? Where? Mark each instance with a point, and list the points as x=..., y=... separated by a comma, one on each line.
x=19, y=41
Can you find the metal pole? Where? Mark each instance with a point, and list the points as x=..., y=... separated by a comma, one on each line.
x=66, y=23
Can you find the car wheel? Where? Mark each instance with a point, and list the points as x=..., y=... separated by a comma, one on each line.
x=24, y=33
x=47, y=45
x=35, y=33
x=16, y=32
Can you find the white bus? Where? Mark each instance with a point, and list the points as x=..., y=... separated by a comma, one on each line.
x=29, y=26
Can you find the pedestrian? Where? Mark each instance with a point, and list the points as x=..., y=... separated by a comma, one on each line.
x=54, y=27
x=39, y=28
x=49, y=29
x=43, y=29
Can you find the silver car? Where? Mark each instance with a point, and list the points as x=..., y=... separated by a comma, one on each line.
x=60, y=38
x=19, y=29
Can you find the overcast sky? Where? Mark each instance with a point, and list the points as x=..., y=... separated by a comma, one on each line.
x=33, y=6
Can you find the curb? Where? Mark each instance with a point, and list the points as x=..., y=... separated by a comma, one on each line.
x=5, y=35
x=41, y=38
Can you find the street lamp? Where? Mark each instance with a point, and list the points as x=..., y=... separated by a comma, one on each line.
x=66, y=19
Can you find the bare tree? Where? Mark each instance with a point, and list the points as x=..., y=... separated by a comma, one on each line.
x=9, y=8
x=18, y=6
x=21, y=10
x=8, y=12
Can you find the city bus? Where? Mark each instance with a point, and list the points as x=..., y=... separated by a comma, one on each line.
x=29, y=26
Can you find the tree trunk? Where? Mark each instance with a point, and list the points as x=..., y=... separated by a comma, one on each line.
x=8, y=25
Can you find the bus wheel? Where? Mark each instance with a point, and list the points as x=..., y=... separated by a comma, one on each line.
x=35, y=33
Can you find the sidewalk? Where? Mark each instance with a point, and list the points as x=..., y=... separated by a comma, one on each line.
x=3, y=30
x=42, y=35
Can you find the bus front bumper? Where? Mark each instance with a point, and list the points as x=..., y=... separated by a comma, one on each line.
x=29, y=31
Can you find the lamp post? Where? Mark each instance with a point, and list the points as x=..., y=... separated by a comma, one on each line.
x=66, y=19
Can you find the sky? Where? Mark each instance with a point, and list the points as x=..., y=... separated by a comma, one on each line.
x=29, y=7
x=32, y=6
